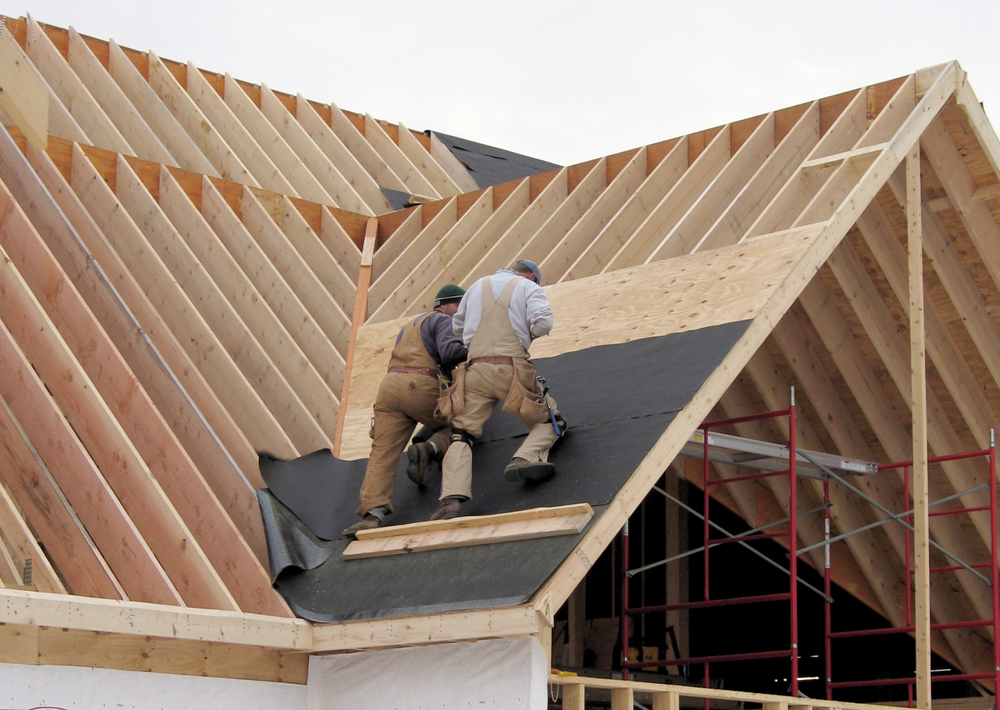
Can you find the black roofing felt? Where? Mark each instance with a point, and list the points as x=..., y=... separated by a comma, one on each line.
x=493, y=166
x=618, y=401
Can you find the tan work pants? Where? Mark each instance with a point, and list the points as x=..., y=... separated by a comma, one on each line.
x=404, y=399
x=485, y=385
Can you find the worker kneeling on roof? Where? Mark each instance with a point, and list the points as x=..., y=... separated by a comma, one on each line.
x=497, y=319
x=425, y=347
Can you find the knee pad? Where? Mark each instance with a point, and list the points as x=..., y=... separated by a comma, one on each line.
x=458, y=435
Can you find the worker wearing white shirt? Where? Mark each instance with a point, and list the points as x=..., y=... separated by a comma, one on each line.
x=497, y=319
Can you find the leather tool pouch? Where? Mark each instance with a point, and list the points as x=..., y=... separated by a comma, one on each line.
x=452, y=399
x=525, y=402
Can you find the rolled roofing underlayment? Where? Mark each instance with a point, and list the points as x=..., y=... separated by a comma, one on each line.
x=617, y=399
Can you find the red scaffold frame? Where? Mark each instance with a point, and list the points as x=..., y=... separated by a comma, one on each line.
x=909, y=628
x=708, y=542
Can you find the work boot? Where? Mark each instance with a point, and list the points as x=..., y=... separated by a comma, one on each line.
x=449, y=508
x=522, y=469
x=368, y=522
x=419, y=457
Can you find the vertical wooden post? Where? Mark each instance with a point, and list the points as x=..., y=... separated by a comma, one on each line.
x=360, y=315
x=918, y=406
x=577, y=623
x=677, y=572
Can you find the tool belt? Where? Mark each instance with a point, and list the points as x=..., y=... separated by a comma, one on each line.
x=451, y=401
x=421, y=370
x=524, y=398
x=493, y=360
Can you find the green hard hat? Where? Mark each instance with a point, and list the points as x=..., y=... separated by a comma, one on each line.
x=448, y=294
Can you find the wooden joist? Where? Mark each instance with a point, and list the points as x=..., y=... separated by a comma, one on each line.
x=476, y=530
x=24, y=97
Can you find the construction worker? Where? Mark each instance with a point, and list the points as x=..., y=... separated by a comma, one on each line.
x=409, y=392
x=497, y=319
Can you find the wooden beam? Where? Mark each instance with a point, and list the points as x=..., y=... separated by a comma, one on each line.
x=222, y=119
x=340, y=244
x=401, y=238
x=19, y=542
x=354, y=141
x=192, y=252
x=509, y=622
x=312, y=249
x=502, y=249
x=91, y=417
x=24, y=97
x=334, y=149
x=578, y=237
x=316, y=161
x=152, y=111
x=765, y=183
x=296, y=270
x=474, y=530
x=918, y=415
x=360, y=313
x=662, y=218
x=837, y=158
x=275, y=315
x=201, y=343
x=394, y=274
x=415, y=181
x=630, y=216
x=71, y=92
x=423, y=161
x=274, y=146
x=116, y=105
x=125, y=311
x=452, y=165
x=199, y=129
x=550, y=234
x=425, y=276
x=161, y=621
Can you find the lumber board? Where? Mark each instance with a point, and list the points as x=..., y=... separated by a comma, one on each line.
x=340, y=245
x=274, y=146
x=340, y=189
x=576, y=239
x=423, y=161
x=628, y=218
x=503, y=249
x=24, y=96
x=567, y=214
x=425, y=278
x=473, y=246
x=979, y=123
x=685, y=193
x=92, y=499
x=354, y=141
x=892, y=115
x=334, y=149
x=19, y=541
x=91, y=417
x=52, y=646
x=161, y=122
x=205, y=270
x=278, y=319
x=200, y=130
x=142, y=423
x=404, y=234
x=115, y=104
x=724, y=188
x=157, y=620
x=761, y=188
x=415, y=251
x=414, y=181
x=130, y=240
x=474, y=530
x=309, y=245
x=72, y=93
x=298, y=273
x=184, y=399
x=453, y=166
x=235, y=134
x=514, y=621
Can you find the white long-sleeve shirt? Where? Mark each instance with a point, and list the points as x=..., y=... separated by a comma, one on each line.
x=529, y=311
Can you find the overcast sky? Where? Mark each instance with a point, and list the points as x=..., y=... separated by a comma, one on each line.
x=561, y=81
